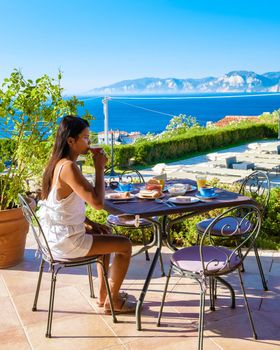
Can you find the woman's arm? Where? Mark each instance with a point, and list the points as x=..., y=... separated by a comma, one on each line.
x=72, y=176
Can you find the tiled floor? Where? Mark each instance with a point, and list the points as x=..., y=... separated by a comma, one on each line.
x=79, y=324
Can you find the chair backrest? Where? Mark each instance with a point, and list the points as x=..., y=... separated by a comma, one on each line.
x=132, y=175
x=37, y=230
x=228, y=224
x=257, y=186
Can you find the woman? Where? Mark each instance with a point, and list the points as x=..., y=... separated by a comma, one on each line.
x=65, y=190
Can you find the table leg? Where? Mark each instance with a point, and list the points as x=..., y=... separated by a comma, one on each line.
x=149, y=276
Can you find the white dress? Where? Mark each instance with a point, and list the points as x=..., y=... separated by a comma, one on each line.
x=63, y=224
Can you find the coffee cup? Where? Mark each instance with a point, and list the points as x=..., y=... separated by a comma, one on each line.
x=207, y=191
x=125, y=186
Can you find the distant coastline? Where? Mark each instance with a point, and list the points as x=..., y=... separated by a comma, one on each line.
x=153, y=113
x=236, y=81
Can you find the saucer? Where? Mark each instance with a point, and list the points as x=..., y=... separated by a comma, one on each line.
x=200, y=196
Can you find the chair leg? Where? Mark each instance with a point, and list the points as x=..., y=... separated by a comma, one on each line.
x=201, y=318
x=164, y=295
x=41, y=269
x=240, y=255
x=260, y=268
x=229, y=287
x=161, y=265
x=105, y=275
x=247, y=305
x=145, y=243
x=212, y=293
x=215, y=288
x=90, y=281
x=51, y=304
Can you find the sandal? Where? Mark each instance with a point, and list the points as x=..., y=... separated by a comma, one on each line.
x=123, y=295
x=127, y=307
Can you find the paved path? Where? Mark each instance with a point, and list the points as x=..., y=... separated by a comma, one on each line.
x=189, y=167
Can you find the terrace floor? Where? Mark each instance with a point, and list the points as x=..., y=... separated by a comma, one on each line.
x=79, y=324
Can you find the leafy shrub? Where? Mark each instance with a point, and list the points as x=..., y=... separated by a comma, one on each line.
x=194, y=140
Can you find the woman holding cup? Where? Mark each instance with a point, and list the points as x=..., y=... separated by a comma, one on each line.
x=62, y=214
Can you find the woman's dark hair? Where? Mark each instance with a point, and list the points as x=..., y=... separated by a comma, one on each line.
x=70, y=126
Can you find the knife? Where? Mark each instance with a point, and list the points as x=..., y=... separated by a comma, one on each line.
x=124, y=201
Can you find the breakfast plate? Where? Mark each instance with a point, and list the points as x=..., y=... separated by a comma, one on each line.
x=148, y=197
x=183, y=200
x=119, y=196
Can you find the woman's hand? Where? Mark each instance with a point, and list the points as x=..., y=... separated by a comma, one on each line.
x=99, y=157
x=96, y=228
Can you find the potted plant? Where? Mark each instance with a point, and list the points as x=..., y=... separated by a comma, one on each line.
x=28, y=122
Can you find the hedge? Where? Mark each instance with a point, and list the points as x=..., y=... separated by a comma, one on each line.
x=197, y=140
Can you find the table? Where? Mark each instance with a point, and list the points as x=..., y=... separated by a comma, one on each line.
x=146, y=208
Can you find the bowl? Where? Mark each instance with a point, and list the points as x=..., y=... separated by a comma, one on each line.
x=177, y=189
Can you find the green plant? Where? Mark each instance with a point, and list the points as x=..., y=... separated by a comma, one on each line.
x=29, y=111
x=192, y=141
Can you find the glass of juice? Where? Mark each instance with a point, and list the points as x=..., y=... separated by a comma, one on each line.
x=201, y=181
x=96, y=149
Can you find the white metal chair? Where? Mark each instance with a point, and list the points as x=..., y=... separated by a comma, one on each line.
x=56, y=265
x=257, y=186
x=206, y=262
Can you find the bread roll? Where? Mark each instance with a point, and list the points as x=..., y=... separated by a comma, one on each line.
x=150, y=193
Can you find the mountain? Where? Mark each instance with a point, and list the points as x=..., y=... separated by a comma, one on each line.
x=235, y=81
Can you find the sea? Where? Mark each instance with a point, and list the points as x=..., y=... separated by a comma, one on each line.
x=151, y=114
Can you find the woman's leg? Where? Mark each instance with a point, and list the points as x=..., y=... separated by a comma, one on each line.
x=100, y=229
x=121, y=246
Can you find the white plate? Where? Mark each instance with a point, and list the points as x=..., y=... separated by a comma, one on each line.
x=143, y=197
x=206, y=197
x=183, y=200
x=113, y=197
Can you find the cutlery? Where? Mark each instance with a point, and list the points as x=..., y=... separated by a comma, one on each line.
x=124, y=201
x=160, y=201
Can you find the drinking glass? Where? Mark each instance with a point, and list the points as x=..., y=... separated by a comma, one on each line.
x=201, y=181
x=96, y=149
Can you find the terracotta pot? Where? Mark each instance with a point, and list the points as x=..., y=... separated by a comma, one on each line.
x=13, y=231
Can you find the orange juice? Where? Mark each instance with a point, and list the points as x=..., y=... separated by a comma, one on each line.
x=201, y=181
x=162, y=182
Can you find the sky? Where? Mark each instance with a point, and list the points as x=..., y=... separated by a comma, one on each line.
x=100, y=42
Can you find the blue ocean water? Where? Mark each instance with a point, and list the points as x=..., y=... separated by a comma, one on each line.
x=153, y=113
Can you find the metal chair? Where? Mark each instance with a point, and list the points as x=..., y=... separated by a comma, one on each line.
x=204, y=263
x=55, y=265
x=115, y=221
x=257, y=186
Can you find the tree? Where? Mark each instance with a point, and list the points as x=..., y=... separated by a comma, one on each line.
x=29, y=111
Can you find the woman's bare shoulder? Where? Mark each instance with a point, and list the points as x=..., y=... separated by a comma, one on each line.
x=68, y=165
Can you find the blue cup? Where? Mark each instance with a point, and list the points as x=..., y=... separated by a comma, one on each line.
x=125, y=186
x=207, y=191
